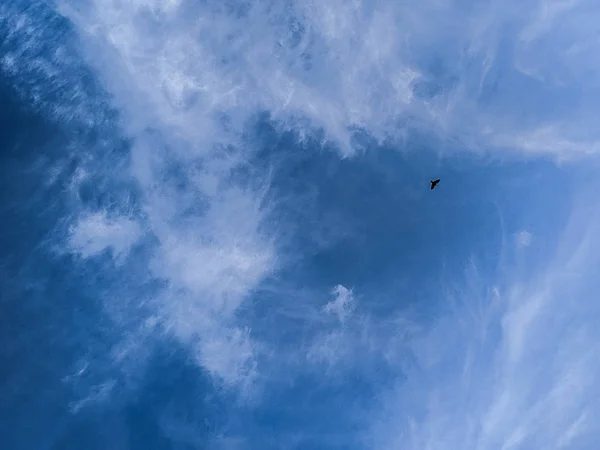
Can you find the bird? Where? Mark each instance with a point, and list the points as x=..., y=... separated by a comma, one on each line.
x=434, y=183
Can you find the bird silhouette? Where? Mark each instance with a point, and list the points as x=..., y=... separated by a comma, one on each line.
x=434, y=183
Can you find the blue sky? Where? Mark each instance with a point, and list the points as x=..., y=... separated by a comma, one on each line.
x=219, y=231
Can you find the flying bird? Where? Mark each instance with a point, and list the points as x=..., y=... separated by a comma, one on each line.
x=434, y=183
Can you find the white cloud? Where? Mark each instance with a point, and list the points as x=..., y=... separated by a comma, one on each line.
x=211, y=249
x=529, y=381
x=342, y=305
x=95, y=233
x=329, y=349
x=523, y=238
x=43, y=68
x=335, y=344
x=229, y=356
x=369, y=64
x=356, y=341
x=98, y=394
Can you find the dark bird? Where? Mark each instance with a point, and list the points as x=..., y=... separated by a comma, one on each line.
x=434, y=183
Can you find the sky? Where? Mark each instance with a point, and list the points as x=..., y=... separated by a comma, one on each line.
x=218, y=233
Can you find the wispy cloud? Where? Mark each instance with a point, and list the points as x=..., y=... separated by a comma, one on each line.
x=188, y=77
x=343, y=303
x=521, y=81
x=352, y=338
x=523, y=238
x=336, y=343
x=197, y=72
x=96, y=232
x=521, y=374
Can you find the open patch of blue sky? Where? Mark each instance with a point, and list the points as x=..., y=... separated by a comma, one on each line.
x=218, y=229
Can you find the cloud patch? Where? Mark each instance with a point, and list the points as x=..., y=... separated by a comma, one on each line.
x=523, y=238
x=343, y=303
x=96, y=232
